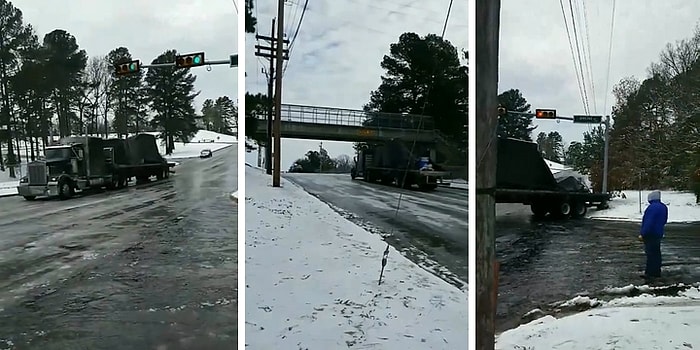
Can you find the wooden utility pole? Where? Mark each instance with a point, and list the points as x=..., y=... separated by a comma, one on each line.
x=487, y=22
x=277, y=127
x=269, y=52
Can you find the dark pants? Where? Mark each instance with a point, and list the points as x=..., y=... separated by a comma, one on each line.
x=652, y=247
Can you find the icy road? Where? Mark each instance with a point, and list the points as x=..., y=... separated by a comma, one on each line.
x=148, y=267
x=431, y=227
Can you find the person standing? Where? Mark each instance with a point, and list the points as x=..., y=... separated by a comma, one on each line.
x=652, y=232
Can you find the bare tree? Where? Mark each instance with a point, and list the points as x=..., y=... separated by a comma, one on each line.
x=343, y=163
x=99, y=77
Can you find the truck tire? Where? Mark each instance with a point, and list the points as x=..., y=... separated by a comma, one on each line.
x=539, y=210
x=579, y=209
x=65, y=190
x=30, y=198
x=563, y=210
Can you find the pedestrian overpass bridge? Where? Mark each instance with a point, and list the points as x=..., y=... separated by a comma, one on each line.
x=338, y=124
x=349, y=125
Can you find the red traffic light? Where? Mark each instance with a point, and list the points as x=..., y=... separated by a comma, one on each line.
x=546, y=113
x=189, y=60
x=126, y=68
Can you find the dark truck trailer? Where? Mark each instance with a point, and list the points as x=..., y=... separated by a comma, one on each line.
x=393, y=163
x=137, y=157
x=84, y=162
x=523, y=176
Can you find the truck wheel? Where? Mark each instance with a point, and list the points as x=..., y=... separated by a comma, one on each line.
x=579, y=209
x=563, y=210
x=538, y=210
x=65, y=190
x=30, y=198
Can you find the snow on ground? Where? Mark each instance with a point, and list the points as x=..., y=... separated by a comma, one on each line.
x=8, y=188
x=311, y=279
x=681, y=207
x=204, y=139
x=457, y=183
x=642, y=322
x=234, y=195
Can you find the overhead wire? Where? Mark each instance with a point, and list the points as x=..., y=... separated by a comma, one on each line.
x=578, y=53
x=607, y=75
x=590, y=61
x=571, y=47
x=420, y=123
x=296, y=32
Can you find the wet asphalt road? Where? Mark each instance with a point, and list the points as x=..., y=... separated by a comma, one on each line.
x=547, y=262
x=153, y=266
x=431, y=227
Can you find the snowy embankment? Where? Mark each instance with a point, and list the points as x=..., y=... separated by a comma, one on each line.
x=681, y=207
x=642, y=322
x=202, y=140
x=311, y=281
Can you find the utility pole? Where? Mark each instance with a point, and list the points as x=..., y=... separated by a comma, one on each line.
x=278, y=96
x=605, y=156
x=487, y=20
x=320, y=151
x=269, y=52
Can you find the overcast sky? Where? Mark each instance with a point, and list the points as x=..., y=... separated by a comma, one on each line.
x=535, y=56
x=335, y=58
x=147, y=29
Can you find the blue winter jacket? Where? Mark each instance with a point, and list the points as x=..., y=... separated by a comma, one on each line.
x=654, y=220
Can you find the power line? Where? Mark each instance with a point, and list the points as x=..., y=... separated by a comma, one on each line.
x=425, y=105
x=571, y=47
x=296, y=32
x=578, y=53
x=607, y=76
x=590, y=61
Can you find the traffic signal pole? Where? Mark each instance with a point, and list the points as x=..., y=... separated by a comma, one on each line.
x=229, y=61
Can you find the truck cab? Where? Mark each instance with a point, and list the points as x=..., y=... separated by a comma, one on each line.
x=55, y=174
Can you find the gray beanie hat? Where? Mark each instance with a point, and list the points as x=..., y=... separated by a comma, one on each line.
x=654, y=196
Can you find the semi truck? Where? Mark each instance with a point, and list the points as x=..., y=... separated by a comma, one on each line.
x=393, y=163
x=86, y=162
x=523, y=176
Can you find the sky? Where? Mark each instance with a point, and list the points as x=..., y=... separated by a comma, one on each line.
x=535, y=56
x=147, y=29
x=335, y=60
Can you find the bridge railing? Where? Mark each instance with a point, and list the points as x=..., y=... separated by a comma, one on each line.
x=351, y=117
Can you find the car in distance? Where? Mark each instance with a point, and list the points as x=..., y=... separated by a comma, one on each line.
x=205, y=153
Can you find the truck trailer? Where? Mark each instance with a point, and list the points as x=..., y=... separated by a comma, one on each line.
x=523, y=176
x=393, y=163
x=85, y=162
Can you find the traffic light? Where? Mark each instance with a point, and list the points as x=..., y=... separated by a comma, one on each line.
x=502, y=111
x=129, y=67
x=233, y=60
x=189, y=60
x=546, y=113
